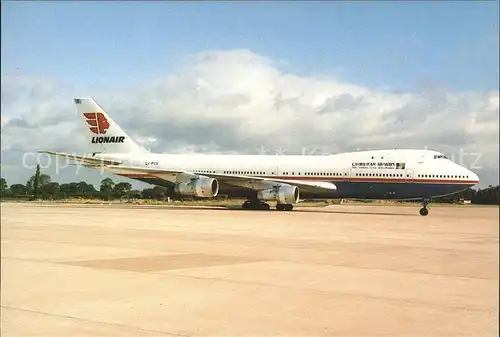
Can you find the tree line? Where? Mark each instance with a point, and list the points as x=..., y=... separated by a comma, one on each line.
x=486, y=196
x=41, y=186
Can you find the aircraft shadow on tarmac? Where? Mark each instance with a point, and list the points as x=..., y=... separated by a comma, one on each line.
x=314, y=210
x=311, y=210
x=231, y=208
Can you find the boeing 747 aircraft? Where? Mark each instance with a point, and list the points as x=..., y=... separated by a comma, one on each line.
x=382, y=174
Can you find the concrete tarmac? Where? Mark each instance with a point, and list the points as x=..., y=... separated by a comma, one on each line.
x=342, y=270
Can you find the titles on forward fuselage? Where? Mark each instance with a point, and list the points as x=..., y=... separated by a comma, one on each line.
x=112, y=139
x=378, y=165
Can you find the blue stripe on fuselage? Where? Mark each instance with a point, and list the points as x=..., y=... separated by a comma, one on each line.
x=392, y=190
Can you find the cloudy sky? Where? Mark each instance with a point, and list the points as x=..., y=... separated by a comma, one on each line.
x=241, y=77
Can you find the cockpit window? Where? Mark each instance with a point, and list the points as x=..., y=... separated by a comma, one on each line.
x=439, y=156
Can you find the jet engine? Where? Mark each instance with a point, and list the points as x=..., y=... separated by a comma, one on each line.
x=283, y=194
x=202, y=187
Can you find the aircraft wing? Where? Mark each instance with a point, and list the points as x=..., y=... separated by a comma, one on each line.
x=250, y=182
x=263, y=183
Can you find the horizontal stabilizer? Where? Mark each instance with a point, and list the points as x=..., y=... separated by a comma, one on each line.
x=89, y=161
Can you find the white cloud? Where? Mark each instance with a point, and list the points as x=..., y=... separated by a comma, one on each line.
x=237, y=101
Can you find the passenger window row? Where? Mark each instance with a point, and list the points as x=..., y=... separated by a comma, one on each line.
x=204, y=171
x=379, y=175
x=336, y=174
x=284, y=173
x=229, y=172
x=330, y=174
x=441, y=176
x=245, y=172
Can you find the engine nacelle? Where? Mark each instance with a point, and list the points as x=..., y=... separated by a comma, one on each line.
x=202, y=187
x=283, y=194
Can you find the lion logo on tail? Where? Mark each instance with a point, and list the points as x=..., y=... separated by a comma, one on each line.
x=98, y=122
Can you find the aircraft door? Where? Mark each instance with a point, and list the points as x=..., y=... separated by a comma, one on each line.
x=350, y=174
x=408, y=175
x=276, y=170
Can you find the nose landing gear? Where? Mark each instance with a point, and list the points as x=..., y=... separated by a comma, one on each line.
x=424, y=211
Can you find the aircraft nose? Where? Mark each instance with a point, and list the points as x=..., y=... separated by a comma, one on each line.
x=474, y=177
x=471, y=176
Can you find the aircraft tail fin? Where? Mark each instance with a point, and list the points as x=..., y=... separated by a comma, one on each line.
x=103, y=134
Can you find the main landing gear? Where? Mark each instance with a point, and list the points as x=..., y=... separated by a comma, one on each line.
x=256, y=204
x=424, y=211
x=284, y=207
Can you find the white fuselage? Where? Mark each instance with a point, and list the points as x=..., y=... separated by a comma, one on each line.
x=381, y=174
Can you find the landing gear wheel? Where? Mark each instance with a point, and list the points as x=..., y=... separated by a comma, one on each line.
x=255, y=205
x=424, y=211
x=284, y=207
